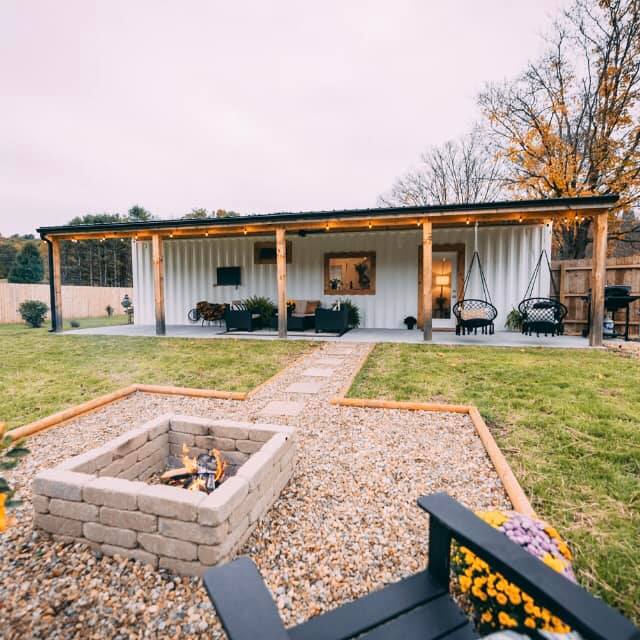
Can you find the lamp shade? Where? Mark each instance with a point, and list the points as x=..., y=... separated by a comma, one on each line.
x=442, y=280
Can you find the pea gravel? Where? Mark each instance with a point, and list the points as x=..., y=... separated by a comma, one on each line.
x=346, y=524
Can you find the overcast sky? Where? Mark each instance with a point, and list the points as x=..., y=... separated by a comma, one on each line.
x=251, y=106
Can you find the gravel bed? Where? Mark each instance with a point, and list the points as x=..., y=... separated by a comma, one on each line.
x=347, y=522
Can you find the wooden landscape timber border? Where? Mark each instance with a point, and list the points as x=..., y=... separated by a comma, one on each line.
x=61, y=417
x=509, y=481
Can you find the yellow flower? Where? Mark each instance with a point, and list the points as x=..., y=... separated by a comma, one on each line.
x=529, y=607
x=465, y=583
x=515, y=599
x=506, y=620
x=529, y=622
x=4, y=521
x=555, y=563
x=501, y=598
x=478, y=593
x=492, y=592
x=494, y=518
x=552, y=531
x=487, y=616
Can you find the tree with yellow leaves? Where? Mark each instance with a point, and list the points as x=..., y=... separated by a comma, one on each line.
x=568, y=125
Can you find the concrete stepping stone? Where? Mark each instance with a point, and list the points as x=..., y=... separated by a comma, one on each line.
x=304, y=387
x=318, y=372
x=329, y=362
x=283, y=408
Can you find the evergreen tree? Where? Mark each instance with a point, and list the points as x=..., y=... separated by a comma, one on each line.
x=28, y=266
x=8, y=254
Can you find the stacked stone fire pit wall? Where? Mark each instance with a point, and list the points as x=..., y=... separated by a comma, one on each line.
x=100, y=497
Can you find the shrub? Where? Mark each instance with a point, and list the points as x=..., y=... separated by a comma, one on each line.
x=262, y=305
x=354, y=313
x=74, y=323
x=496, y=603
x=33, y=312
x=28, y=266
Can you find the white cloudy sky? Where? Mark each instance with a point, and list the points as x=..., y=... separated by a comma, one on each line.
x=253, y=106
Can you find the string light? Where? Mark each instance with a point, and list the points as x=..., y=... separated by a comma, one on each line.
x=370, y=225
x=206, y=234
x=245, y=231
x=171, y=235
x=327, y=227
x=468, y=221
x=520, y=219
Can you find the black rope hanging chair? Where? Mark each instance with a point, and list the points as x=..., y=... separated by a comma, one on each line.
x=542, y=315
x=475, y=313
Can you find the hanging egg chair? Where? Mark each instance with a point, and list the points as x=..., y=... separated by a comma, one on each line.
x=542, y=315
x=475, y=313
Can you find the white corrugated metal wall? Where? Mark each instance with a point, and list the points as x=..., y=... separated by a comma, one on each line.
x=508, y=253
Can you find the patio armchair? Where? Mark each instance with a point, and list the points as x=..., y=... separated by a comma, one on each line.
x=332, y=320
x=419, y=606
x=239, y=318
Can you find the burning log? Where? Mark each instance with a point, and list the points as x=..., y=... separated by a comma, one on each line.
x=202, y=474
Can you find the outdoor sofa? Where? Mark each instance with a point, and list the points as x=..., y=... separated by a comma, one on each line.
x=419, y=606
x=332, y=320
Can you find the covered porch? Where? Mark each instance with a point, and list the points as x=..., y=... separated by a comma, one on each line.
x=199, y=332
x=402, y=253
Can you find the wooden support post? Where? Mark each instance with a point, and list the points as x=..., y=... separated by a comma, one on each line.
x=281, y=259
x=56, y=281
x=598, y=277
x=157, y=250
x=427, y=259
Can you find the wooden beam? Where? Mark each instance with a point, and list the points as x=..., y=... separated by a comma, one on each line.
x=157, y=251
x=427, y=259
x=281, y=261
x=598, y=278
x=56, y=276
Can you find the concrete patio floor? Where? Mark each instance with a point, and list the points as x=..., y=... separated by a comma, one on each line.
x=499, y=339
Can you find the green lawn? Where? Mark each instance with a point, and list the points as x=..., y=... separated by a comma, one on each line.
x=89, y=323
x=41, y=373
x=568, y=422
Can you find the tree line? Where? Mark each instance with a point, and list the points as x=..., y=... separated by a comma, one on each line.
x=566, y=126
x=98, y=263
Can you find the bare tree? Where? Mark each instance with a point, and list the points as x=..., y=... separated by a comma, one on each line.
x=459, y=171
x=568, y=125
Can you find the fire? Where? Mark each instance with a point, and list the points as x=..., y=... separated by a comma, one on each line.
x=190, y=464
x=198, y=485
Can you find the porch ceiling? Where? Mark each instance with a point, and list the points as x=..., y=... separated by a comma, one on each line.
x=388, y=218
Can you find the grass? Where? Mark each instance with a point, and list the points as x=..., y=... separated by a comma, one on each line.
x=43, y=373
x=568, y=421
x=90, y=323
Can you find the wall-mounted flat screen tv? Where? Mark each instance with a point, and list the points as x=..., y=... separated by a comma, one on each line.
x=228, y=276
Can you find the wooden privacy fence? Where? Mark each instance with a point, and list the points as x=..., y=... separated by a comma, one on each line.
x=77, y=301
x=573, y=278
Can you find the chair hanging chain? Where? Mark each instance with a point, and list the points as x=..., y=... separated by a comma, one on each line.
x=474, y=259
x=536, y=274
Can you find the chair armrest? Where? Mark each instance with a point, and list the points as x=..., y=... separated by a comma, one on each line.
x=243, y=602
x=571, y=603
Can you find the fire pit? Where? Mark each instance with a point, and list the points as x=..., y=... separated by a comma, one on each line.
x=214, y=480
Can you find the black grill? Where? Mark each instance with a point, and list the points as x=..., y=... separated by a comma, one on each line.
x=616, y=297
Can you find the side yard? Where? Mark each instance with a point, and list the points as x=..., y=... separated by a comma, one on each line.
x=569, y=424
x=43, y=373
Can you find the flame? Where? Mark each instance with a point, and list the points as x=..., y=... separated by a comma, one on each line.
x=190, y=464
x=220, y=463
x=198, y=484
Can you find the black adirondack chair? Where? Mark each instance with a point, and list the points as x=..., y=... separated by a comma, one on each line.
x=420, y=606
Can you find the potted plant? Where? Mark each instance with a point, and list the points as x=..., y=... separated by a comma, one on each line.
x=410, y=321
x=514, y=320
